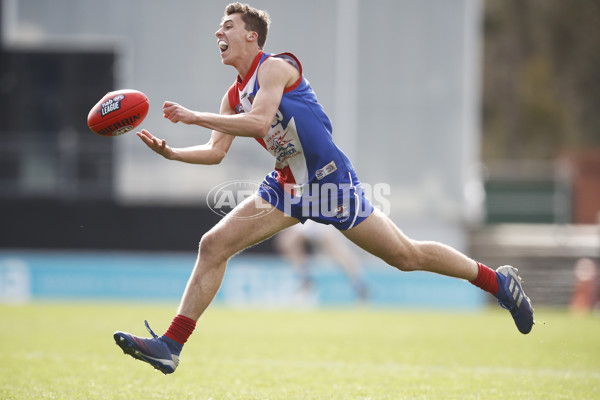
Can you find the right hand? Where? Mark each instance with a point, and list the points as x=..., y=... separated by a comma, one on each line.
x=177, y=113
x=157, y=145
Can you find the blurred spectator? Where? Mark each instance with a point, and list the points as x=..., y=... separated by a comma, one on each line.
x=295, y=242
x=585, y=291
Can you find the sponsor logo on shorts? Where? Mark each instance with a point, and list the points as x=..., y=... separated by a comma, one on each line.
x=341, y=211
x=223, y=198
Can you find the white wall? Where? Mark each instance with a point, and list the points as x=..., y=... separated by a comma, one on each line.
x=399, y=78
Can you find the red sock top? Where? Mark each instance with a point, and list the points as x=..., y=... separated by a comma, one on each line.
x=181, y=328
x=486, y=279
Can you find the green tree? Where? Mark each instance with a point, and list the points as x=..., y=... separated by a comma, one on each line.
x=541, y=79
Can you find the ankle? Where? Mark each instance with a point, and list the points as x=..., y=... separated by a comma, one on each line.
x=181, y=328
x=486, y=279
x=173, y=345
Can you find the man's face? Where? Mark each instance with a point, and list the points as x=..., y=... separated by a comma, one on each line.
x=231, y=37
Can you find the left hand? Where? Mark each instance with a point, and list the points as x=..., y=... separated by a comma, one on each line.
x=177, y=113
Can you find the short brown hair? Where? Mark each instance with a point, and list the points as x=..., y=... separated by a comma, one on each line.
x=256, y=20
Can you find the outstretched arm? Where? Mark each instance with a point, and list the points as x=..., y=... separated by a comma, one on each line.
x=274, y=76
x=210, y=153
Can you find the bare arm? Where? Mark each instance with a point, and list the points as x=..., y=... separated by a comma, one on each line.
x=274, y=76
x=212, y=152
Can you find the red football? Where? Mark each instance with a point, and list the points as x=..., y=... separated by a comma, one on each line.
x=118, y=112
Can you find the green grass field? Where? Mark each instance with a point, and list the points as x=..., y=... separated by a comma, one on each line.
x=66, y=351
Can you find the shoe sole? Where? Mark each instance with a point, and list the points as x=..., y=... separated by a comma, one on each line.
x=130, y=349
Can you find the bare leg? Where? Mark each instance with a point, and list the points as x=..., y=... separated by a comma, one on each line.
x=234, y=233
x=381, y=237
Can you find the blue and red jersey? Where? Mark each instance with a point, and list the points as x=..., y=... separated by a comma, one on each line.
x=300, y=137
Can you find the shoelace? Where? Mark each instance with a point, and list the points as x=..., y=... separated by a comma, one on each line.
x=154, y=335
x=504, y=306
x=157, y=338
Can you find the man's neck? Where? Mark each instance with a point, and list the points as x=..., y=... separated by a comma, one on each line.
x=244, y=65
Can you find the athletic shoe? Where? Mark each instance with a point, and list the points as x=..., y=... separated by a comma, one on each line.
x=512, y=297
x=156, y=351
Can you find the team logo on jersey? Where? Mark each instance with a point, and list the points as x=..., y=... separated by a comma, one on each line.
x=283, y=142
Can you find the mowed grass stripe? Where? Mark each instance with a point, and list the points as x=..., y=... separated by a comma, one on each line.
x=66, y=351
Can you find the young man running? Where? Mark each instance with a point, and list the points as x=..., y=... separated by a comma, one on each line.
x=272, y=102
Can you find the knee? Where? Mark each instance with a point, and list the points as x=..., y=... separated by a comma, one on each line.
x=405, y=258
x=211, y=247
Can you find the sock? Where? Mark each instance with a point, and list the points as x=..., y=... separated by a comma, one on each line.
x=181, y=328
x=486, y=279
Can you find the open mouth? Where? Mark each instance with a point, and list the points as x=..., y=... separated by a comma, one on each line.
x=222, y=45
